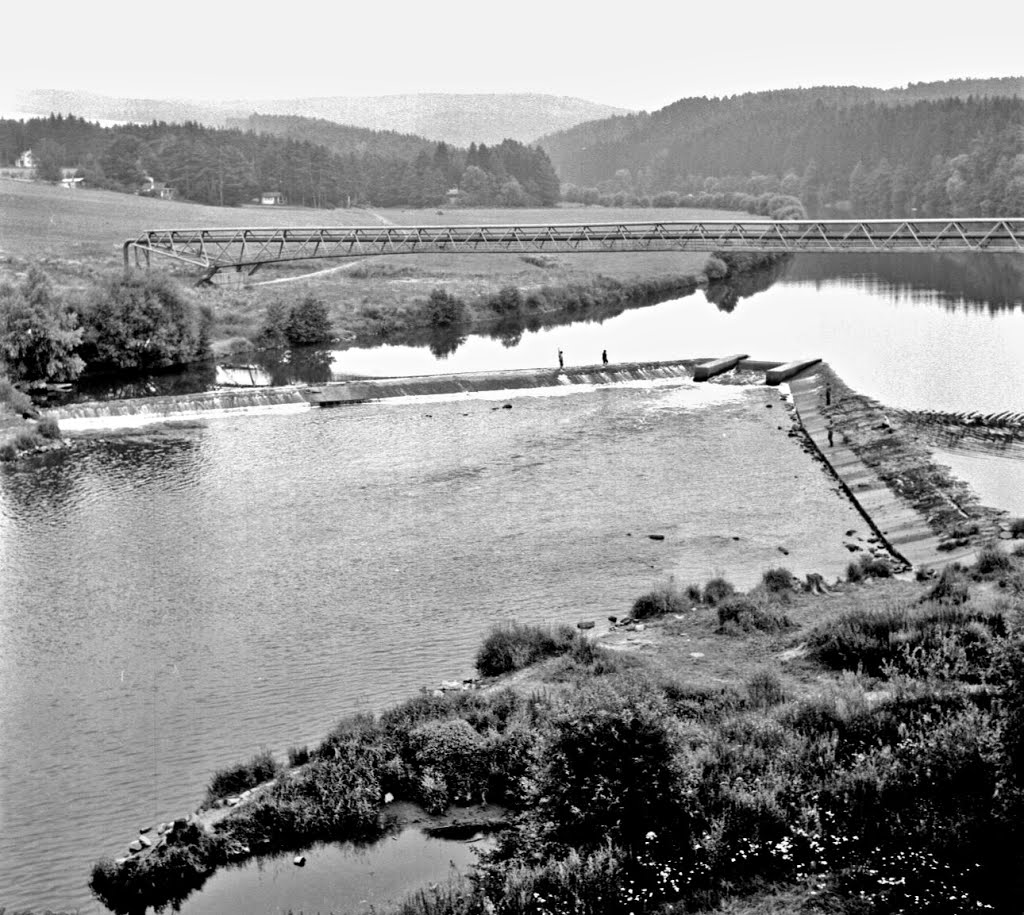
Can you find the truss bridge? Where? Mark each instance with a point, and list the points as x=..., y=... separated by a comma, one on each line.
x=245, y=250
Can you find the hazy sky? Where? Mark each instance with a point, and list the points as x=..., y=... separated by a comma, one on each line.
x=635, y=54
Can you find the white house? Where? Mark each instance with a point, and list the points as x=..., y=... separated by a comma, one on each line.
x=271, y=198
x=26, y=160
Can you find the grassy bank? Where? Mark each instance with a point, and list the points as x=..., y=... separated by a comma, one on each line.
x=76, y=239
x=19, y=432
x=714, y=746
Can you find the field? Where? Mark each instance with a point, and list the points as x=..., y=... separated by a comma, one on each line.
x=76, y=236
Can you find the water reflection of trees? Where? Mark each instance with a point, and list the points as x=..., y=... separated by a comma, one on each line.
x=726, y=294
x=301, y=365
x=187, y=380
x=990, y=282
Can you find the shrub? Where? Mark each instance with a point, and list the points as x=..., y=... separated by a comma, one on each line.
x=509, y=648
x=990, y=560
x=39, y=333
x=716, y=590
x=778, y=581
x=854, y=572
x=16, y=400
x=951, y=588
x=298, y=756
x=508, y=302
x=741, y=612
x=442, y=309
x=450, y=759
x=308, y=323
x=235, y=779
x=48, y=428
x=1017, y=527
x=764, y=689
x=271, y=334
x=142, y=322
x=666, y=599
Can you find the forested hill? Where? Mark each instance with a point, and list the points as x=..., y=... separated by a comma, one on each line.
x=229, y=167
x=851, y=149
x=342, y=139
x=454, y=119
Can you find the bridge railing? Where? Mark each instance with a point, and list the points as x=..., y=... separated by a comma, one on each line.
x=248, y=248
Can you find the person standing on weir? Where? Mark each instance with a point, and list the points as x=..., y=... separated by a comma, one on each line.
x=831, y=431
x=604, y=356
x=828, y=395
x=561, y=361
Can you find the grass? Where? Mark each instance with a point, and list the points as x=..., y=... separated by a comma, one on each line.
x=510, y=648
x=236, y=779
x=367, y=300
x=737, y=785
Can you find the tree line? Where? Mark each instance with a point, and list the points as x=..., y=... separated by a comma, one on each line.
x=228, y=167
x=832, y=149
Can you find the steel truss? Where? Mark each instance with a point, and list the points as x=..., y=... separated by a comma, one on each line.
x=247, y=249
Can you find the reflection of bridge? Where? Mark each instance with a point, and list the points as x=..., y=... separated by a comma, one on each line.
x=245, y=250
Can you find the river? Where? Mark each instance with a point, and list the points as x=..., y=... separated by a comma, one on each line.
x=175, y=599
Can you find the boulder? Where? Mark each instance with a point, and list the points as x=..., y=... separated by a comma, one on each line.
x=145, y=841
x=389, y=798
x=656, y=536
x=585, y=624
x=299, y=861
x=145, y=829
x=135, y=846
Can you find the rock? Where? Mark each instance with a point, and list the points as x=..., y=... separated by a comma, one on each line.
x=613, y=620
x=120, y=861
x=585, y=624
x=161, y=829
x=438, y=693
x=640, y=627
x=768, y=406
x=697, y=654
x=507, y=406
x=782, y=550
x=451, y=684
x=388, y=798
x=1005, y=535
x=136, y=846
x=656, y=536
x=299, y=861
x=145, y=841
x=144, y=830
x=232, y=801
x=735, y=538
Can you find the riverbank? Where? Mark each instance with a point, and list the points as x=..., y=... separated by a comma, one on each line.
x=755, y=681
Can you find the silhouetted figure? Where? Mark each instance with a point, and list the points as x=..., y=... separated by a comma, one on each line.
x=830, y=433
x=828, y=395
x=604, y=356
x=561, y=361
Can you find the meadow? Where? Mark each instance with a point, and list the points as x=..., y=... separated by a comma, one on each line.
x=76, y=237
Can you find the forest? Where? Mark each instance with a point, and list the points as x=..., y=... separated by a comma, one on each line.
x=229, y=167
x=839, y=149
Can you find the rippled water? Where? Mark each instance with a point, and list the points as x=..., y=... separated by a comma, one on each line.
x=174, y=600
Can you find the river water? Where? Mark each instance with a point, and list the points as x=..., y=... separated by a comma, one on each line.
x=175, y=599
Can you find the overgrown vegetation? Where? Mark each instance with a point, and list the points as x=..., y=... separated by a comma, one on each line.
x=236, y=779
x=512, y=647
x=630, y=791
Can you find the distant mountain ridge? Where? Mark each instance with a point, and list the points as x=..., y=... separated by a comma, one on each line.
x=456, y=119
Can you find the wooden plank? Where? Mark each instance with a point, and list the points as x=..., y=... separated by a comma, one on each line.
x=717, y=366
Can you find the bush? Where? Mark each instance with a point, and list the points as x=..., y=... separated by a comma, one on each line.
x=298, y=756
x=271, y=334
x=308, y=323
x=39, y=333
x=235, y=779
x=508, y=302
x=442, y=309
x=778, y=581
x=990, y=560
x=666, y=599
x=764, y=689
x=854, y=572
x=1017, y=527
x=449, y=757
x=48, y=428
x=142, y=322
x=716, y=590
x=743, y=613
x=951, y=588
x=510, y=648
x=17, y=401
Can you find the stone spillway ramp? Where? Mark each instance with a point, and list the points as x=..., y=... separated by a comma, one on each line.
x=348, y=392
x=903, y=529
